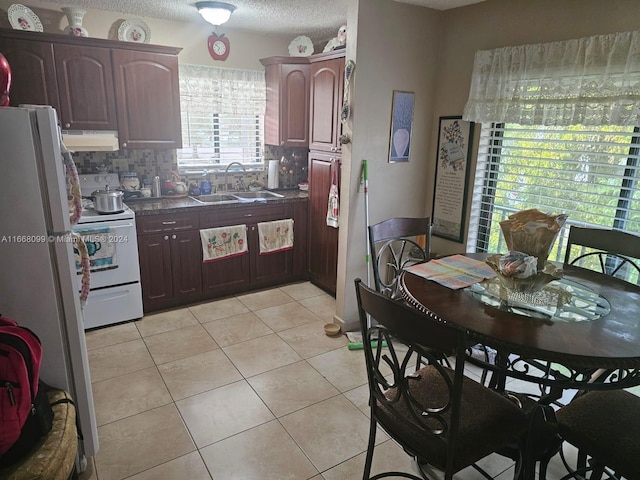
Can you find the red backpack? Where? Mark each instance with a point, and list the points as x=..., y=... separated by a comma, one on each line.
x=21, y=401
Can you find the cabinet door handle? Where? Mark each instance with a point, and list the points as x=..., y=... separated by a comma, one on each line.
x=248, y=214
x=253, y=229
x=67, y=125
x=124, y=145
x=169, y=223
x=166, y=237
x=173, y=237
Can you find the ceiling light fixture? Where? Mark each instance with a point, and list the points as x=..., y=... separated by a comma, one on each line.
x=216, y=13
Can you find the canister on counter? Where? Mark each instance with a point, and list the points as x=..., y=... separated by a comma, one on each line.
x=155, y=188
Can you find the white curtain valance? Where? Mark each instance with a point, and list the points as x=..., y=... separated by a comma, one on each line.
x=587, y=81
x=225, y=91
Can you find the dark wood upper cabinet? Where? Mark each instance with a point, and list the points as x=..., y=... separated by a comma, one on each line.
x=97, y=84
x=327, y=83
x=33, y=72
x=85, y=88
x=287, y=114
x=148, y=99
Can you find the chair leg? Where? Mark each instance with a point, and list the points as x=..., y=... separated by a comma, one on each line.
x=598, y=471
x=370, y=446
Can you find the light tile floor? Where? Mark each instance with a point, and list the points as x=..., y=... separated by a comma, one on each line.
x=247, y=387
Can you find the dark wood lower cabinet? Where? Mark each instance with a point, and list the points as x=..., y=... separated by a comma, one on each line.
x=252, y=270
x=225, y=276
x=154, y=253
x=171, y=267
x=186, y=261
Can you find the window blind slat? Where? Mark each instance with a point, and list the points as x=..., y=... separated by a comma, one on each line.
x=588, y=173
x=222, y=116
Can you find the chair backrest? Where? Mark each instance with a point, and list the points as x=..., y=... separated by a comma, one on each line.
x=389, y=347
x=394, y=244
x=612, y=252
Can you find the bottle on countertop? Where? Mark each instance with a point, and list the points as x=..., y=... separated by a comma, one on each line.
x=155, y=188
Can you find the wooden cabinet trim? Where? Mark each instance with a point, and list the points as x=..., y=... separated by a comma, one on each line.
x=212, y=218
x=87, y=41
x=151, y=224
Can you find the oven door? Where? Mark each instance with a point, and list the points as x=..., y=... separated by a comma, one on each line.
x=113, y=252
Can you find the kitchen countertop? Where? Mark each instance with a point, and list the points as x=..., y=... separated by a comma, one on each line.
x=155, y=206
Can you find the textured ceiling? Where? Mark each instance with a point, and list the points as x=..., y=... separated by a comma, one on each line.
x=318, y=19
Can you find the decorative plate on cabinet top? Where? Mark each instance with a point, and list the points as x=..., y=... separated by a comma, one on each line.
x=134, y=30
x=23, y=18
x=301, y=46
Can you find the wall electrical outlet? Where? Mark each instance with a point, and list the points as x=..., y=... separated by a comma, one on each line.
x=119, y=165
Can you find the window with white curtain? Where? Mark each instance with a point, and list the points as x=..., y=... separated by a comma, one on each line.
x=222, y=117
x=559, y=133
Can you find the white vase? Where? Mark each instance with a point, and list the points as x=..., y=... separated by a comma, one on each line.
x=400, y=141
x=74, y=17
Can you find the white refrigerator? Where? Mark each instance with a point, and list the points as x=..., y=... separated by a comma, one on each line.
x=37, y=265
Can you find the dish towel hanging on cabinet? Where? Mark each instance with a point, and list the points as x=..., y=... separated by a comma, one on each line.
x=333, y=205
x=275, y=236
x=223, y=242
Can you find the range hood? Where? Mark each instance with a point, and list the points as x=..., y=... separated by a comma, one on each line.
x=90, y=140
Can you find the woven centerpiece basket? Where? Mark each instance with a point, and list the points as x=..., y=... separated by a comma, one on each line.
x=532, y=233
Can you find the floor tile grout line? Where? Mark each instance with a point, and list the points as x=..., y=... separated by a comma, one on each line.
x=173, y=401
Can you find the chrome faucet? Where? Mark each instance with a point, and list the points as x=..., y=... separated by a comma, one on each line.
x=239, y=183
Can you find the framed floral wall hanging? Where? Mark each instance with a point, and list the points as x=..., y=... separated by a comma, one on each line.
x=452, y=178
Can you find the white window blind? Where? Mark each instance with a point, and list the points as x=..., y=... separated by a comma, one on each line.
x=222, y=117
x=590, y=173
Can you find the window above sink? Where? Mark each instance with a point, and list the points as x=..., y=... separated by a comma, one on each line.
x=222, y=118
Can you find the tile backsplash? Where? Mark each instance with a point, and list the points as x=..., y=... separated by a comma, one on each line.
x=146, y=163
x=149, y=163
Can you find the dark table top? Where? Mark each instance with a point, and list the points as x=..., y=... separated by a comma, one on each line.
x=611, y=341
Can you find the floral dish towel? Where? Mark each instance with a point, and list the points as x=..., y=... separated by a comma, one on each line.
x=223, y=242
x=275, y=236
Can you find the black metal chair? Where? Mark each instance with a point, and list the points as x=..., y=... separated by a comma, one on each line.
x=611, y=252
x=603, y=425
x=438, y=415
x=394, y=245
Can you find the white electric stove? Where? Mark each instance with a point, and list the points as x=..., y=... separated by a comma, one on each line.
x=115, y=295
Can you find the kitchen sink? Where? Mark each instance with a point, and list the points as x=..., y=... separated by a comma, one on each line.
x=259, y=196
x=256, y=195
x=215, y=198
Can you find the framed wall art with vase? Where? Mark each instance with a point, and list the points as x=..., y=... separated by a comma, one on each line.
x=452, y=178
x=401, y=123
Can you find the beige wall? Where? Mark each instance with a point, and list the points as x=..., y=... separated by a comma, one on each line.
x=395, y=49
x=498, y=23
x=246, y=47
x=430, y=52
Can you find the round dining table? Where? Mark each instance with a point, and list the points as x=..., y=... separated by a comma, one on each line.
x=598, y=348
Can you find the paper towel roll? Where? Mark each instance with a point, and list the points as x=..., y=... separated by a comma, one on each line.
x=272, y=174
